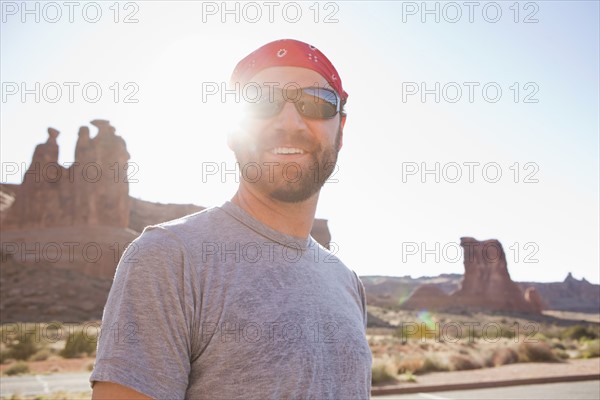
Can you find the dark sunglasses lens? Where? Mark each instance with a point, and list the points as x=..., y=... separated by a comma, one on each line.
x=312, y=102
x=318, y=103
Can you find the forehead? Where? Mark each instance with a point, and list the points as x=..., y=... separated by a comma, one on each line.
x=303, y=77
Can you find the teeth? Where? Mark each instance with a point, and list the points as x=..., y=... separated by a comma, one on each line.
x=287, y=150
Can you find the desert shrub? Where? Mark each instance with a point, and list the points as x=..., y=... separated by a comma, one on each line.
x=410, y=364
x=561, y=354
x=592, y=349
x=19, y=367
x=579, y=332
x=487, y=358
x=432, y=364
x=494, y=331
x=459, y=362
x=410, y=377
x=572, y=345
x=552, y=331
x=417, y=331
x=24, y=348
x=507, y=331
x=558, y=345
x=41, y=355
x=504, y=355
x=79, y=345
x=536, y=352
x=380, y=374
x=474, y=334
x=5, y=356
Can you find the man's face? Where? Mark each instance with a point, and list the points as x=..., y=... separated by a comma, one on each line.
x=287, y=156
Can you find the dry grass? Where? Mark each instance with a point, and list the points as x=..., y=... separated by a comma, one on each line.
x=42, y=344
x=459, y=362
x=41, y=355
x=421, y=344
x=536, y=352
x=592, y=349
x=504, y=356
x=433, y=363
x=410, y=363
x=383, y=372
x=18, y=368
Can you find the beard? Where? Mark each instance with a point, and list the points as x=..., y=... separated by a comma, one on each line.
x=291, y=182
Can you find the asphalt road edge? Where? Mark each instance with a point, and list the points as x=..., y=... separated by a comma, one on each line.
x=385, y=390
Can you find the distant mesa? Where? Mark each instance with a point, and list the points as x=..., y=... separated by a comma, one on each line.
x=392, y=292
x=486, y=284
x=429, y=294
x=569, y=295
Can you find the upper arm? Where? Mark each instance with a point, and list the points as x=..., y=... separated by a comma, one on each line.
x=111, y=390
x=146, y=338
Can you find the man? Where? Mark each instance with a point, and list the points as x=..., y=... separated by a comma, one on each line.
x=238, y=301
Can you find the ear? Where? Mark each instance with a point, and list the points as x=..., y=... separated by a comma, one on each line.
x=341, y=131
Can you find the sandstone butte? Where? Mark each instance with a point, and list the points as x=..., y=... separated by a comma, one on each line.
x=486, y=285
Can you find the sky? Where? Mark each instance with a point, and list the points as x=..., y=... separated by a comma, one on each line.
x=465, y=119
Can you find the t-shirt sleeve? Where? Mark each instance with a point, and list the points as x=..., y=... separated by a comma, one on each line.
x=146, y=334
x=363, y=298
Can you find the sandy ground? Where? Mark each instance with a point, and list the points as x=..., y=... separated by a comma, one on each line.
x=57, y=364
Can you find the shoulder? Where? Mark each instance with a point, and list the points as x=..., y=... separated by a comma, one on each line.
x=186, y=230
x=169, y=245
x=195, y=221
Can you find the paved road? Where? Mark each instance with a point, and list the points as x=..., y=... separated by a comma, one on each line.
x=27, y=385
x=588, y=390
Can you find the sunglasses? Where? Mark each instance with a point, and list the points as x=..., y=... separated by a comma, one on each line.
x=311, y=102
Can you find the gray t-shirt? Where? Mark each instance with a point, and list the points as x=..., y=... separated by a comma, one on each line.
x=217, y=305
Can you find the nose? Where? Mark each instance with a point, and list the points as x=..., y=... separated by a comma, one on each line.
x=289, y=118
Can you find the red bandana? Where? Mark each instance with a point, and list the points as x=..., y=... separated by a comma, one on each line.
x=288, y=53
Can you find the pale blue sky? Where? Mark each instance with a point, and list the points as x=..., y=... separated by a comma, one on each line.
x=372, y=213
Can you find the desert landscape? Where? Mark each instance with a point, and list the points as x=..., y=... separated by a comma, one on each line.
x=62, y=238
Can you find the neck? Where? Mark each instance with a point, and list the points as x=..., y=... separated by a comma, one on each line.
x=294, y=219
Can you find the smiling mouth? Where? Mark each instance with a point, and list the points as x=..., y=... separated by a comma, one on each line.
x=287, y=150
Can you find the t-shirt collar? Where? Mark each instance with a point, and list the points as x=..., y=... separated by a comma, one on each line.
x=284, y=239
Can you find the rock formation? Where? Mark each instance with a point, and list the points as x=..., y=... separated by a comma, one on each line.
x=92, y=191
x=486, y=284
x=569, y=295
x=73, y=217
x=393, y=291
x=533, y=297
x=428, y=294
